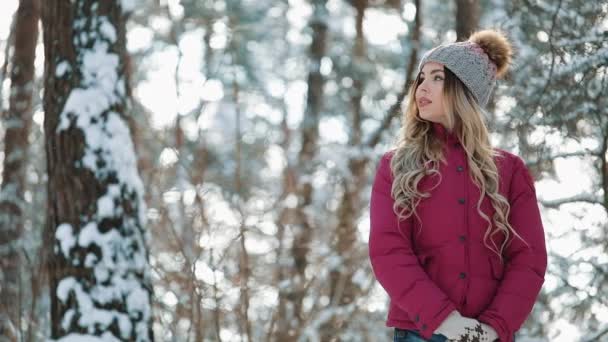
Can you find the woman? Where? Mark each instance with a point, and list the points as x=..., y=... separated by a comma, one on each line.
x=456, y=236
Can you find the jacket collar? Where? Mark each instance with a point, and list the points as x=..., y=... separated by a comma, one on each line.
x=443, y=134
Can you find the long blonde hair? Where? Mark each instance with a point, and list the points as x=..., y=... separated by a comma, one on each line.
x=418, y=154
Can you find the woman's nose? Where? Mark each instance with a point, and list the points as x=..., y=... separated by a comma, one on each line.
x=423, y=87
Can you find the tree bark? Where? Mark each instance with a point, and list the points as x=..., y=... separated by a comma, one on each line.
x=290, y=312
x=342, y=289
x=18, y=122
x=467, y=18
x=97, y=256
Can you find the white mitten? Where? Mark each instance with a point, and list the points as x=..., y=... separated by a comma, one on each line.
x=479, y=333
x=455, y=326
x=489, y=332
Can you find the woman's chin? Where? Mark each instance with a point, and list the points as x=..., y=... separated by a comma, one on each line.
x=427, y=117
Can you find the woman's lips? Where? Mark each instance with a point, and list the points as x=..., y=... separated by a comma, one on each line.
x=423, y=103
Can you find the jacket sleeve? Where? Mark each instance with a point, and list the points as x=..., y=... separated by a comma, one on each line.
x=394, y=263
x=525, y=265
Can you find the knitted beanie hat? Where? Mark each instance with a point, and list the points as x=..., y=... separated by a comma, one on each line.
x=477, y=62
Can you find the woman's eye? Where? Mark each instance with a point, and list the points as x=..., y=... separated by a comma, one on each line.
x=438, y=78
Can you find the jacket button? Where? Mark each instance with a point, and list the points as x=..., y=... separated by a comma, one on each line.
x=456, y=144
x=462, y=275
x=460, y=168
x=461, y=200
x=417, y=318
x=424, y=327
x=462, y=238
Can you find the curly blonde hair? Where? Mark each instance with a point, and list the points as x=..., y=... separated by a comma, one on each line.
x=418, y=154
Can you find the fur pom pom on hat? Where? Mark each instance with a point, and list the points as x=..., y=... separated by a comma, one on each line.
x=477, y=62
x=496, y=46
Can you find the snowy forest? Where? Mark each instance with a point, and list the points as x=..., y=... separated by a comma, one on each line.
x=200, y=170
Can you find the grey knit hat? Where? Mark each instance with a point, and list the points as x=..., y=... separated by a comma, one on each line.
x=477, y=62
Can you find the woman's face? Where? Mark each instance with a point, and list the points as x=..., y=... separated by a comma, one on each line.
x=429, y=94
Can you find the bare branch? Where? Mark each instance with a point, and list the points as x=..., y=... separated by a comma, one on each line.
x=583, y=197
x=583, y=153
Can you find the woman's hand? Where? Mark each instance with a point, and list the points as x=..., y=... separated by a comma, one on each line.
x=455, y=326
x=458, y=328
x=489, y=332
x=480, y=333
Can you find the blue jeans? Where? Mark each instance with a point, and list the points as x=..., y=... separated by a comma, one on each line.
x=402, y=335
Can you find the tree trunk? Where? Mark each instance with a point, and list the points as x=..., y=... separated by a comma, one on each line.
x=467, y=18
x=342, y=289
x=97, y=253
x=412, y=64
x=18, y=122
x=244, y=263
x=290, y=313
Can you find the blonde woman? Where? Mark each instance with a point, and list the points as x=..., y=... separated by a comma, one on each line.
x=456, y=236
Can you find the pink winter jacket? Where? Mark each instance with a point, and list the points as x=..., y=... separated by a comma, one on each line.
x=444, y=265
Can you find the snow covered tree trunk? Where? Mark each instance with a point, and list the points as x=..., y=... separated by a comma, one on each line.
x=18, y=123
x=97, y=258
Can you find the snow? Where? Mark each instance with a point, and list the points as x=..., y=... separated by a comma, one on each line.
x=105, y=206
x=100, y=318
x=90, y=234
x=64, y=287
x=65, y=237
x=127, y=6
x=102, y=273
x=137, y=302
x=107, y=30
x=67, y=318
x=105, y=294
x=62, y=68
x=107, y=337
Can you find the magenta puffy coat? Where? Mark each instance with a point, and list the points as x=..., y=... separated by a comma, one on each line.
x=447, y=266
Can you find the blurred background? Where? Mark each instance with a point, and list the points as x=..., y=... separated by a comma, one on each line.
x=258, y=126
